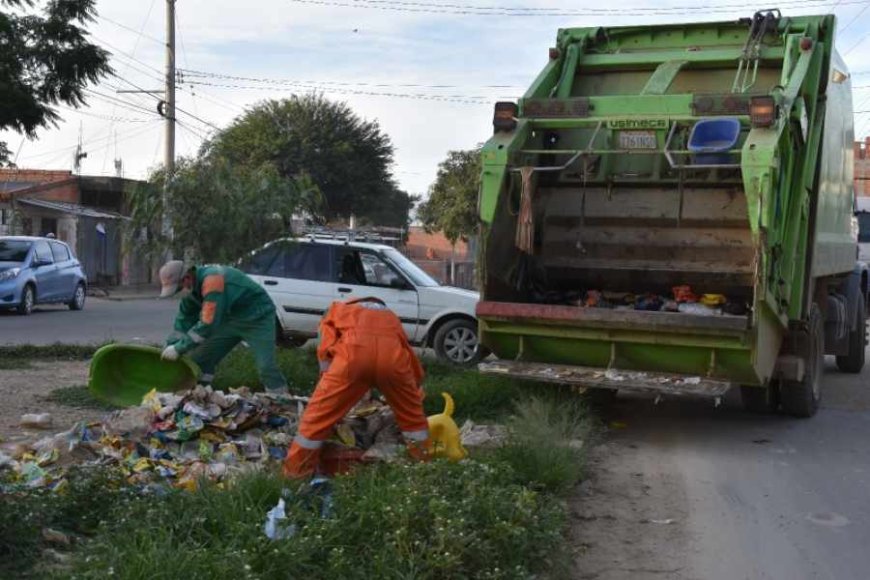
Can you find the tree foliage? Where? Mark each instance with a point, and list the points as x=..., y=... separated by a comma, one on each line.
x=45, y=60
x=452, y=204
x=347, y=157
x=218, y=210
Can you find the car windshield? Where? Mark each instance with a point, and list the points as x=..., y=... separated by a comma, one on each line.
x=410, y=269
x=13, y=250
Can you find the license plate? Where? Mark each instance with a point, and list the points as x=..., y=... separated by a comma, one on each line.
x=637, y=140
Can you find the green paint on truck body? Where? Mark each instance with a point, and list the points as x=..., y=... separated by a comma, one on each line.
x=767, y=225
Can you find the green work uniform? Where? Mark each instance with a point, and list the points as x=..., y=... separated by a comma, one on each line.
x=224, y=308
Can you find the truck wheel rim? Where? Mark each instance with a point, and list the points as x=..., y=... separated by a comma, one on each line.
x=460, y=344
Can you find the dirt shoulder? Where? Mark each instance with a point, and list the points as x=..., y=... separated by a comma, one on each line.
x=628, y=519
x=25, y=391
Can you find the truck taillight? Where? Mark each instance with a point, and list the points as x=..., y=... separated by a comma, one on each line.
x=762, y=111
x=505, y=117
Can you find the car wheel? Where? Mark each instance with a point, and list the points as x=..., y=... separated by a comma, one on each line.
x=78, y=299
x=28, y=299
x=456, y=343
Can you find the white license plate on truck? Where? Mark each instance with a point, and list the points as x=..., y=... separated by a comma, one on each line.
x=637, y=140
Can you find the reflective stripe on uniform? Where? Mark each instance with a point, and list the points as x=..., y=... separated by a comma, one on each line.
x=420, y=435
x=307, y=443
x=195, y=337
x=324, y=365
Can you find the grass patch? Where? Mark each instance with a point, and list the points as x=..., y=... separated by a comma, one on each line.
x=435, y=520
x=55, y=351
x=91, y=497
x=78, y=396
x=8, y=364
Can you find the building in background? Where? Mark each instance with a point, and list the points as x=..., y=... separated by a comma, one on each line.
x=452, y=264
x=86, y=212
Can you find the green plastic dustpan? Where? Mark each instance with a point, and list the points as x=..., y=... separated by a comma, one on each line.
x=122, y=374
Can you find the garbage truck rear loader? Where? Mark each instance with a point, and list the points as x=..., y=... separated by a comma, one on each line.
x=668, y=209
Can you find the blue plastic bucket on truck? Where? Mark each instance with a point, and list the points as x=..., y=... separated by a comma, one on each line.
x=122, y=374
x=711, y=139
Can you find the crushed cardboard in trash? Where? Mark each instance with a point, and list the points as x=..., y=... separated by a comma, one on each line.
x=180, y=439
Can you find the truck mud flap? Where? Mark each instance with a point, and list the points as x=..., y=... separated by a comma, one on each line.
x=599, y=378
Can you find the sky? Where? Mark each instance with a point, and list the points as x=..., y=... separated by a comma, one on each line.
x=428, y=71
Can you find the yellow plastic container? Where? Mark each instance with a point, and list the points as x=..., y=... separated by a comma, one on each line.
x=446, y=440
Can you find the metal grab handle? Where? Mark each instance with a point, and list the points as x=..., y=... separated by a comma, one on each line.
x=270, y=283
x=346, y=290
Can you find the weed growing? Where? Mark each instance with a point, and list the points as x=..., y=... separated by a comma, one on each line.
x=547, y=441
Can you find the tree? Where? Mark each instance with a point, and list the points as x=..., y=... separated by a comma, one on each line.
x=45, y=60
x=347, y=157
x=218, y=211
x=452, y=204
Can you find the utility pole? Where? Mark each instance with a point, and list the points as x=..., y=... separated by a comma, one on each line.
x=169, y=114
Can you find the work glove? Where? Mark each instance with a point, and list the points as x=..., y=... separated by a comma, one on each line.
x=170, y=353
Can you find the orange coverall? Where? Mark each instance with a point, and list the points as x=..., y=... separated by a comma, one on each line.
x=362, y=344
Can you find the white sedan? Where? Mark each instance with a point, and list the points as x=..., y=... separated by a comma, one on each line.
x=305, y=275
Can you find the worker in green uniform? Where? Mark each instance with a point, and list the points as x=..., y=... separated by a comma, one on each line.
x=220, y=308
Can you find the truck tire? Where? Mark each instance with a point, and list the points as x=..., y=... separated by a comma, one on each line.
x=802, y=398
x=762, y=400
x=853, y=362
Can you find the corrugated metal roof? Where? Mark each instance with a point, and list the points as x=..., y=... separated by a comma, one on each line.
x=73, y=208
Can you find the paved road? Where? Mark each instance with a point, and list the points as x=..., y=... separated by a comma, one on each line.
x=147, y=321
x=683, y=490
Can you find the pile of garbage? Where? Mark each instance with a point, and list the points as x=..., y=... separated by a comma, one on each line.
x=682, y=299
x=180, y=439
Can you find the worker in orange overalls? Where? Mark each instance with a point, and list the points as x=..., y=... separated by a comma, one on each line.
x=362, y=344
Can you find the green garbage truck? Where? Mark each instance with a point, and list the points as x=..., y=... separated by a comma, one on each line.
x=668, y=209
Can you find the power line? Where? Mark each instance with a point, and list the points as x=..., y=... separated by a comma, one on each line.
x=105, y=117
x=854, y=19
x=476, y=100
x=136, y=131
x=476, y=10
x=206, y=74
x=140, y=33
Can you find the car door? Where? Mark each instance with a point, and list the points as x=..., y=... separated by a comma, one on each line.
x=299, y=280
x=66, y=271
x=363, y=273
x=45, y=272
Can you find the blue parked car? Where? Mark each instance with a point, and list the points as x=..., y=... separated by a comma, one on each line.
x=39, y=271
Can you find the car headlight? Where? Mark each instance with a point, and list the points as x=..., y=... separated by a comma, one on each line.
x=9, y=274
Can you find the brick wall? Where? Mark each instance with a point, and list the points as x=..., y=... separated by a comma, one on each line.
x=65, y=192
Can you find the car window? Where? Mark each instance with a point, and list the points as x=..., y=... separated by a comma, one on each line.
x=364, y=269
x=60, y=252
x=259, y=262
x=302, y=262
x=410, y=269
x=43, y=252
x=14, y=250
